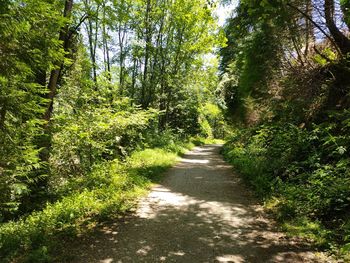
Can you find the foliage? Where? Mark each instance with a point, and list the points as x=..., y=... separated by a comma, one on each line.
x=96, y=134
x=301, y=173
x=285, y=88
x=28, y=45
x=85, y=87
x=212, y=121
x=110, y=189
x=89, y=81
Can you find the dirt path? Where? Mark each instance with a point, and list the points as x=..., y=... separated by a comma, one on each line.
x=200, y=213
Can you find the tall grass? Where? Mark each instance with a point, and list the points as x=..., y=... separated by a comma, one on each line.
x=111, y=188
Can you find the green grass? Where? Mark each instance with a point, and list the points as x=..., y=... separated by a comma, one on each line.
x=201, y=141
x=307, y=229
x=111, y=189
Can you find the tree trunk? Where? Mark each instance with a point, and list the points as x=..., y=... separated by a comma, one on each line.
x=92, y=37
x=121, y=37
x=3, y=116
x=92, y=53
x=308, y=17
x=108, y=61
x=148, y=39
x=105, y=45
x=156, y=68
x=55, y=74
x=134, y=71
x=340, y=39
x=309, y=29
x=44, y=141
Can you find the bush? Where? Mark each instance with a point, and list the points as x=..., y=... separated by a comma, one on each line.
x=97, y=134
x=111, y=188
x=299, y=172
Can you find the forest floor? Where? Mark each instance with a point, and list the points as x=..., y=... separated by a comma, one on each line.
x=200, y=212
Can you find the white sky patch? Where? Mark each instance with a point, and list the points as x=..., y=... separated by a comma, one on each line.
x=225, y=11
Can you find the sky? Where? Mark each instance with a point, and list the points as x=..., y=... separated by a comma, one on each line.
x=224, y=11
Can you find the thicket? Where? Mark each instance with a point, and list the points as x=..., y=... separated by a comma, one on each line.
x=285, y=80
x=85, y=87
x=110, y=189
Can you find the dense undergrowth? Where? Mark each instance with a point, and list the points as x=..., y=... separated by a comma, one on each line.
x=110, y=189
x=302, y=175
x=100, y=81
x=285, y=81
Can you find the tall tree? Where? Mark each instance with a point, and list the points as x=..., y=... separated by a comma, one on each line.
x=65, y=37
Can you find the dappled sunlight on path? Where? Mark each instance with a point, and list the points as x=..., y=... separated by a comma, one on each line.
x=201, y=212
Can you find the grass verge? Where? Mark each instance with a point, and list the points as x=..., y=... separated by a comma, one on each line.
x=112, y=187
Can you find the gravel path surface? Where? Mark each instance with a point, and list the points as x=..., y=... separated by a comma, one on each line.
x=201, y=212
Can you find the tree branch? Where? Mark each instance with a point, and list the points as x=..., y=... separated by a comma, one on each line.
x=340, y=39
x=75, y=29
x=318, y=27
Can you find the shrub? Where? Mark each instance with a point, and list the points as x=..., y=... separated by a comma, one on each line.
x=305, y=169
x=110, y=189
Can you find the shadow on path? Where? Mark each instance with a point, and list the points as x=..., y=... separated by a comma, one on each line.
x=201, y=212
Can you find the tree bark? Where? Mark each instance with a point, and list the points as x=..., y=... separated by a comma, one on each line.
x=105, y=45
x=318, y=27
x=148, y=38
x=3, y=116
x=64, y=36
x=308, y=27
x=134, y=73
x=121, y=38
x=155, y=69
x=340, y=39
x=92, y=37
